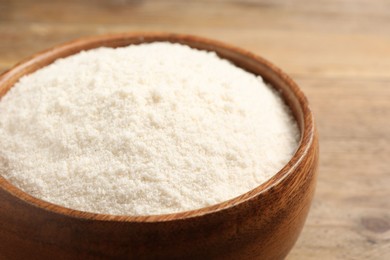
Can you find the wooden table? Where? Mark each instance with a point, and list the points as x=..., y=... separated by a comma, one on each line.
x=337, y=51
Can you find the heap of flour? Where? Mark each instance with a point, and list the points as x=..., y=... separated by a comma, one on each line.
x=145, y=129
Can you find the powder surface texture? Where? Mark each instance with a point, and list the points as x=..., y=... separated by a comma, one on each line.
x=146, y=129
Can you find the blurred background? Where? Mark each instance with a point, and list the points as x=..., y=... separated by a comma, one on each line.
x=338, y=51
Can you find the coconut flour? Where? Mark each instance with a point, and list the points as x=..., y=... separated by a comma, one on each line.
x=145, y=129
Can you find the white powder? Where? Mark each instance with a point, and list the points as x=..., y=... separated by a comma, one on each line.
x=148, y=129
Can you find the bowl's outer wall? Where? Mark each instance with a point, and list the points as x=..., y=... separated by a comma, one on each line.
x=264, y=225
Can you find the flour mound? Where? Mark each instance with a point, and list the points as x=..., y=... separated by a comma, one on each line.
x=145, y=129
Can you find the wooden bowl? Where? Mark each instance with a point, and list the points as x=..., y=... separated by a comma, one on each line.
x=263, y=223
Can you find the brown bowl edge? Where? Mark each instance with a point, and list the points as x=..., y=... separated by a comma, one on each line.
x=48, y=56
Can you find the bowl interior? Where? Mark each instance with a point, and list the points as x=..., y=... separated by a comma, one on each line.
x=246, y=60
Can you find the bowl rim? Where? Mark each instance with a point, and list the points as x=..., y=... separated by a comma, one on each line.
x=307, y=129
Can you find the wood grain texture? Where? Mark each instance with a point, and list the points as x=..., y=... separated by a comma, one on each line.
x=262, y=223
x=337, y=50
